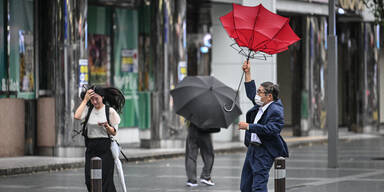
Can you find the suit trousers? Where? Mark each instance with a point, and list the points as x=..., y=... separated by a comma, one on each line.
x=198, y=140
x=255, y=174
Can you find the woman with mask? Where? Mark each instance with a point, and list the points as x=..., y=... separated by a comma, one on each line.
x=99, y=113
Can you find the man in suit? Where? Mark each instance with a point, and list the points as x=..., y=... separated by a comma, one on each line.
x=262, y=128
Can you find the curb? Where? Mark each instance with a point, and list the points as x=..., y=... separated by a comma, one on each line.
x=291, y=142
x=80, y=164
x=36, y=169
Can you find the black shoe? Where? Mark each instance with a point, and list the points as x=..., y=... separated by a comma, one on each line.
x=191, y=183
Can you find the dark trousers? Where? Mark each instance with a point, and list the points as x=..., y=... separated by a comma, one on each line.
x=198, y=140
x=100, y=148
x=255, y=174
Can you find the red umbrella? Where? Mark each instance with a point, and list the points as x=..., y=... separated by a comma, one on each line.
x=281, y=41
x=258, y=29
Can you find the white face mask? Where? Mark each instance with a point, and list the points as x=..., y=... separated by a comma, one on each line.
x=258, y=100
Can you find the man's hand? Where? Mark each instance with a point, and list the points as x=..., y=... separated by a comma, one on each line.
x=247, y=70
x=243, y=126
x=246, y=67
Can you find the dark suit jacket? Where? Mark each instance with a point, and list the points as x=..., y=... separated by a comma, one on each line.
x=269, y=126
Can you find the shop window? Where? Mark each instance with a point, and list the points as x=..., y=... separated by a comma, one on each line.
x=113, y=55
x=18, y=72
x=99, y=45
x=3, y=65
x=48, y=47
x=125, y=56
x=199, y=37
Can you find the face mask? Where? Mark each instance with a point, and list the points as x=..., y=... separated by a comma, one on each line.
x=258, y=100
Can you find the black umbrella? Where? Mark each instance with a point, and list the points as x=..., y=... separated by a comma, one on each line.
x=201, y=100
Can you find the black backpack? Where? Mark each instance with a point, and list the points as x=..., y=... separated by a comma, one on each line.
x=204, y=130
x=210, y=130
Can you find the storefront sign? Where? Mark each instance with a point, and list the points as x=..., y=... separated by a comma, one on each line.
x=182, y=70
x=127, y=82
x=83, y=72
x=129, y=60
x=354, y=5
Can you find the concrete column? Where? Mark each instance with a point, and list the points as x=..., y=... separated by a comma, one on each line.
x=331, y=90
x=152, y=138
x=70, y=29
x=381, y=87
x=167, y=48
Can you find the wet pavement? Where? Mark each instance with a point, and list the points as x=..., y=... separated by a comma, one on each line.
x=361, y=170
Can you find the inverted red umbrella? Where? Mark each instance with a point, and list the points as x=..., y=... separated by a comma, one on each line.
x=257, y=30
x=256, y=25
x=281, y=41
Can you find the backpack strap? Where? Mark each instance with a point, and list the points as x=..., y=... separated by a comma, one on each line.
x=84, y=123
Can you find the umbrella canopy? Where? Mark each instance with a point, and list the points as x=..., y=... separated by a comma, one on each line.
x=258, y=29
x=201, y=100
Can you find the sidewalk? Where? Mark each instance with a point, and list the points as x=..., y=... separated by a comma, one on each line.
x=31, y=164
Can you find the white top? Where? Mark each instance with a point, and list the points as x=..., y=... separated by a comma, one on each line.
x=254, y=137
x=99, y=116
x=261, y=112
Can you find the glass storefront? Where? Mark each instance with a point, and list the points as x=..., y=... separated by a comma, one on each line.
x=18, y=66
x=358, y=107
x=317, y=58
x=358, y=75
x=371, y=63
x=116, y=40
x=3, y=65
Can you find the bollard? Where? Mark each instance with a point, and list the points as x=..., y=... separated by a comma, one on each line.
x=96, y=174
x=280, y=174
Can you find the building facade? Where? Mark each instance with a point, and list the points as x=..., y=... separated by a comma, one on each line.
x=358, y=67
x=145, y=47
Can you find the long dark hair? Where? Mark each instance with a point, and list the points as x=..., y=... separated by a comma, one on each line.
x=111, y=96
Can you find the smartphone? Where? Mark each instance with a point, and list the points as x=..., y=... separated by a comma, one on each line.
x=102, y=123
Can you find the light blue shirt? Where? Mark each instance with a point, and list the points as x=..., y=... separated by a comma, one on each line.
x=254, y=137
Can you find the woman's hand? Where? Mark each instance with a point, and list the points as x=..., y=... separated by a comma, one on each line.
x=109, y=128
x=83, y=104
x=89, y=94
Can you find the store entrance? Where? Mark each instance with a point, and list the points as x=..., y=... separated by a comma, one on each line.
x=290, y=77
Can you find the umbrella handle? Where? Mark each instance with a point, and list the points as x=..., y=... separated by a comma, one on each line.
x=234, y=101
x=238, y=87
x=230, y=109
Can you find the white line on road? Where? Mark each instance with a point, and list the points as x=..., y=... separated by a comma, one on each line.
x=357, y=177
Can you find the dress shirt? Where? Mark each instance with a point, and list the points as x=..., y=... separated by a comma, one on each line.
x=254, y=137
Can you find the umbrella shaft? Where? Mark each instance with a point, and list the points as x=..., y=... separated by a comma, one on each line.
x=237, y=93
